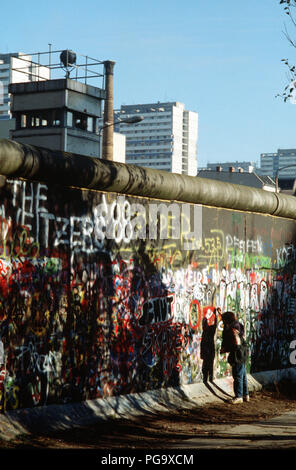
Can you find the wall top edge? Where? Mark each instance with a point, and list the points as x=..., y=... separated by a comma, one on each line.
x=56, y=167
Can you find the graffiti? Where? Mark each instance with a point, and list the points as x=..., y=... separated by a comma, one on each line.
x=212, y=250
x=194, y=314
x=156, y=310
x=92, y=306
x=285, y=255
x=244, y=246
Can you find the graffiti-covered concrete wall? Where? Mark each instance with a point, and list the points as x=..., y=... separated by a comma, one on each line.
x=105, y=294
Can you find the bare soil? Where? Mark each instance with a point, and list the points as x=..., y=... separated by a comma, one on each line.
x=156, y=431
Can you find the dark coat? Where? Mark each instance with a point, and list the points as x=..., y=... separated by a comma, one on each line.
x=232, y=336
x=229, y=340
x=207, y=346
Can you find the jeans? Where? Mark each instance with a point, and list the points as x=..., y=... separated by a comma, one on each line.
x=240, y=384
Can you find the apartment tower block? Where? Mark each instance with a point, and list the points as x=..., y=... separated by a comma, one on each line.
x=165, y=140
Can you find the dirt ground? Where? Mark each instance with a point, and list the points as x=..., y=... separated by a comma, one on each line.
x=156, y=431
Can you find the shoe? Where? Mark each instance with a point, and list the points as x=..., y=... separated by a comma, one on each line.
x=237, y=400
x=247, y=398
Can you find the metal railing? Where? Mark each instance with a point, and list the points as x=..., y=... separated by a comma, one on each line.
x=84, y=69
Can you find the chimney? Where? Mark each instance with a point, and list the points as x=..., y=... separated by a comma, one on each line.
x=107, y=146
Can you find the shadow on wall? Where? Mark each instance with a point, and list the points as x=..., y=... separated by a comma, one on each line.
x=79, y=320
x=146, y=343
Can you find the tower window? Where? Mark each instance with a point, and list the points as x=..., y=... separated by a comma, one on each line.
x=39, y=119
x=81, y=121
x=69, y=119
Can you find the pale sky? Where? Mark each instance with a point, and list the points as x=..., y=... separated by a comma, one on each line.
x=221, y=58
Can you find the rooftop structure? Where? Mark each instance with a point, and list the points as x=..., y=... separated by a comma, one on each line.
x=239, y=177
x=245, y=166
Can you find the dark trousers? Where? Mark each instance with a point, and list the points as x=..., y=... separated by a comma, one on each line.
x=207, y=369
x=240, y=384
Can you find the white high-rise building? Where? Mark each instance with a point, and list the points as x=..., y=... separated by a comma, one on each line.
x=165, y=140
x=16, y=68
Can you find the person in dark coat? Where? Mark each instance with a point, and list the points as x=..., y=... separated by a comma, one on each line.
x=207, y=347
x=233, y=342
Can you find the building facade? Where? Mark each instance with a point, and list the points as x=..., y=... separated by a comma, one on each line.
x=165, y=140
x=271, y=163
x=268, y=164
x=15, y=68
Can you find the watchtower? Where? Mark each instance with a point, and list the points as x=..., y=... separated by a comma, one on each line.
x=61, y=113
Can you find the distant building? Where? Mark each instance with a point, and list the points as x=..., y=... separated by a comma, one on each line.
x=239, y=177
x=274, y=164
x=269, y=164
x=245, y=166
x=15, y=68
x=6, y=125
x=165, y=140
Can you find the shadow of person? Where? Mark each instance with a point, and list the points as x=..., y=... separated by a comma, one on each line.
x=216, y=394
x=221, y=389
x=207, y=347
x=151, y=307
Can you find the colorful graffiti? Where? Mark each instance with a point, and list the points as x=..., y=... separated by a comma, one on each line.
x=87, y=310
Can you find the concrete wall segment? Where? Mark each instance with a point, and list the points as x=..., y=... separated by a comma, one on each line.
x=83, y=172
x=89, y=312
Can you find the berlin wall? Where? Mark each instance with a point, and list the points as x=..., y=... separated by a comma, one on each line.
x=105, y=294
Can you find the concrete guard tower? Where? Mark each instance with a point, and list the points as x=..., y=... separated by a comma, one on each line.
x=58, y=114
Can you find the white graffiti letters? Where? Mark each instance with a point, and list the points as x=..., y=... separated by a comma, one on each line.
x=245, y=246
